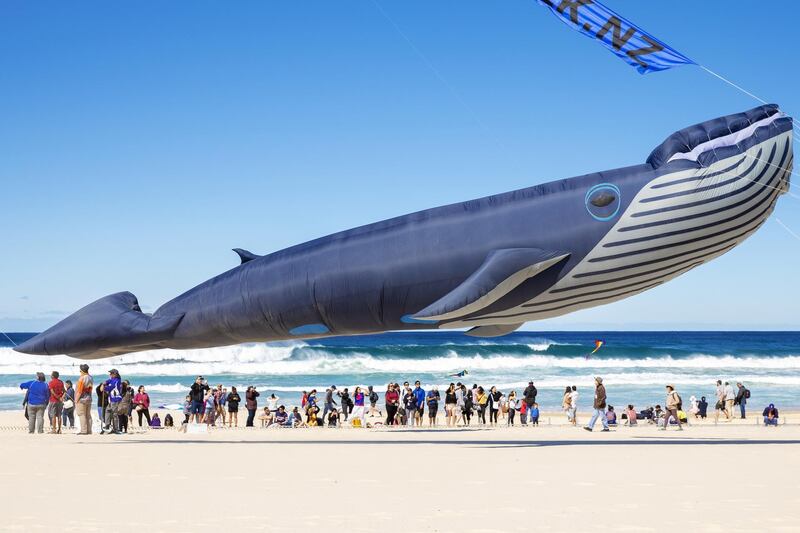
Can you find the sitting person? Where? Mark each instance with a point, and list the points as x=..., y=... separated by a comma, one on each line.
x=311, y=415
x=702, y=407
x=632, y=415
x=770, y=415
x=168, y=421
x=155, y=422
x=266, y=417
x=333, y=418
x=281, y=417
x=611, y=416
x=646, y=414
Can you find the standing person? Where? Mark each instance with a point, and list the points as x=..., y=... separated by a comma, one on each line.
x=38, y=399
x=392, y=399
x=523, y=412
x=483, y=400
x=68, y=414
x=142, y=403
x=112, y=388
x=494, y=404
x=730, y=398
x=573, y=402
x=432, y=399
x=533, y=415
x=102, y=404
x=187, y=410
x=330, y=403
x=198, y=394
x=251, y=403
x=211, y=407
x=450, y=404
x=410, y=405
x=529, y=396
x=512, y=407
x=741, y=398
x=344, y=395
x=599, y=405
x=83, y=403
x=460, y=391
x=468, y=404
x=720, y=405
x=566, y=403
x=419, y=394
x=673, y=404
x=373, y=402
x=360, y=409
x=56, y=404
x=233, y=400
x=125, y=405
x=221, y=398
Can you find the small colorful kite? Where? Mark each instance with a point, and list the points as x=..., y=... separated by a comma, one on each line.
x=458, y=374
x=597, y=345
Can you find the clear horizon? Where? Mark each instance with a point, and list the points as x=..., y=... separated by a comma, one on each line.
x=142, y=143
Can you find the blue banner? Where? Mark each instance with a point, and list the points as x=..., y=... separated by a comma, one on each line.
x=629, y=42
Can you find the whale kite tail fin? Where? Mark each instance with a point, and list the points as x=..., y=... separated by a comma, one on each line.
x=112, y=325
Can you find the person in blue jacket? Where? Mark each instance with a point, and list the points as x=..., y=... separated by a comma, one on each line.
x=38, y=396
x=113, y=388
x=419, y=394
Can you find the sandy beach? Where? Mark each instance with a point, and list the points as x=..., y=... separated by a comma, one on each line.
x=728, y=477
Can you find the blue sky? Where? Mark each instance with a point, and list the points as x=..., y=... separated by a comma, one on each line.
x=141, y=142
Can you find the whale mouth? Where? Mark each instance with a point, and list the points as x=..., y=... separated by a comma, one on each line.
x=727, y=140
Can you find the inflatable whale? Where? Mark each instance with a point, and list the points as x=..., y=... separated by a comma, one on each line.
x=490, y=264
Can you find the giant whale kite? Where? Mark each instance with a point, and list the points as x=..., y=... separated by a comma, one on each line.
x=489, y=264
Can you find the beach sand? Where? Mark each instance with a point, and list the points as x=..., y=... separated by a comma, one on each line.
x=727, y=477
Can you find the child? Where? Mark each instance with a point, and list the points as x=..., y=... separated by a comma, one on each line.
x=534, y=415
x=155, y=422
x=168, y=422
x=523, y=413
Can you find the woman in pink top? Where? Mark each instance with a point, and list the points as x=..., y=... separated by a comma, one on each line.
x=142, y=403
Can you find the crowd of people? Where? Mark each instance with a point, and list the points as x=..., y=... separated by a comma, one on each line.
x=408, y=406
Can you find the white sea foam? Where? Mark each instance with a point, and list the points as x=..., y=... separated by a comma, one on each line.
x=298, y=358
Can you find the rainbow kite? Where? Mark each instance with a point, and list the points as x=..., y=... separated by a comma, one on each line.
x=597, y=345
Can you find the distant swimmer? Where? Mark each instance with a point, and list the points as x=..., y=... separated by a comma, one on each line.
x=458, y=374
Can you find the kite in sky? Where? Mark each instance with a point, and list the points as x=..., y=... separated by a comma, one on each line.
x=597, y=345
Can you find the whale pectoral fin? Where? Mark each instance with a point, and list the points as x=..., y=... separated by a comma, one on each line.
x=108, y=326
x=493, y=331
x=501, y=272
x=245, y=255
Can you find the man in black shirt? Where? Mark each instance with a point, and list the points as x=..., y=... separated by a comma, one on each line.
x=198, y=392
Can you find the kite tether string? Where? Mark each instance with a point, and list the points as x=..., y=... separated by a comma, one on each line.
x=743, y=91
x=9, y=338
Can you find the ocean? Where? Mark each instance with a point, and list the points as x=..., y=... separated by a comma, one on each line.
x=635, y=366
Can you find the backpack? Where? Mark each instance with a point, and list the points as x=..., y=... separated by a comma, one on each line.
x=747, y=393
x=680, y=402
x=373, y=397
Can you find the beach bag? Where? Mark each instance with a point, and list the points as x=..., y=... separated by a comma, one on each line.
x=356, y=422
x=69, y=404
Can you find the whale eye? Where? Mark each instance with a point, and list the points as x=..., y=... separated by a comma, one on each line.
x=603, y=201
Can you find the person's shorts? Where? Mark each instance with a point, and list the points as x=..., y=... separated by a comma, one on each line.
x=421, y=411
x=55, y=409
x=232, y=409
x=432, y=411
x=197, y=407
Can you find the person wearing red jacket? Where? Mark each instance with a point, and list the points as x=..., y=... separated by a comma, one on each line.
x=142, y=402
x=392, y=398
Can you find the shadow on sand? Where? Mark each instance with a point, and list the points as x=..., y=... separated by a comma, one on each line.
x=635, y=441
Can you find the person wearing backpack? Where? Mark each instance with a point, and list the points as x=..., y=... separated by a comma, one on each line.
x=113, y=390
x=373, y=402
x=529, y=396
x=672, y=407
x=742, y=395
